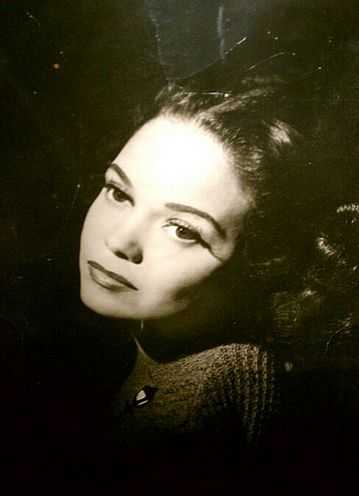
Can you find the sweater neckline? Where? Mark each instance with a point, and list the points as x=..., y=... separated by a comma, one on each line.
x=145, y=365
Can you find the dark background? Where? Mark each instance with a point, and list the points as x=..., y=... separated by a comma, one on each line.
x=70, y=71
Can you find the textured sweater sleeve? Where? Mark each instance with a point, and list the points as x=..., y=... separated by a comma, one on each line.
x=238, y=392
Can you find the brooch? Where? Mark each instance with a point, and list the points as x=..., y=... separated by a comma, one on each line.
x=144, y=396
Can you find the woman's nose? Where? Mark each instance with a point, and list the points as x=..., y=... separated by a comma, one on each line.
x=124, y=243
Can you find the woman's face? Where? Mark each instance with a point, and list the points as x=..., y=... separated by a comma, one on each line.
x=167, y=219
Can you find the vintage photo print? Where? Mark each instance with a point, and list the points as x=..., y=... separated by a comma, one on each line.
x=180, y=244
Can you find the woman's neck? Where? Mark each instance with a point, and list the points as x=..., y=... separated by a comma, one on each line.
x=168, y=339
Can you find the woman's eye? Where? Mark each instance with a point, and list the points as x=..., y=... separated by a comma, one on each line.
x=115, y=193
x=185, y=234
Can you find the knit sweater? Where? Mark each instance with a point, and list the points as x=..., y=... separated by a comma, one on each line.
x=229, y=388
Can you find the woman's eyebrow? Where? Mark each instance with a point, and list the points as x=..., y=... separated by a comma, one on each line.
x=121, y=173
x=178, y=207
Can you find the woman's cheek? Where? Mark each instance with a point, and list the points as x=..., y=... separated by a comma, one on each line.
x=97, y=222
x=181, y=278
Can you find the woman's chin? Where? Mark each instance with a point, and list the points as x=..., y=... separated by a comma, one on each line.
x=100, y=305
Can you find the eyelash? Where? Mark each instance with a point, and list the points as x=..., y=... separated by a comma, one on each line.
x=197, y=236
x=112, y=188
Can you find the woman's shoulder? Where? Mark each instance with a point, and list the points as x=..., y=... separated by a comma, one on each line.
x=233, y=369
x=234, y=357
x=238, y=380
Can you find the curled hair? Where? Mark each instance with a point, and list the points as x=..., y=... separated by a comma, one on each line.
x=325, y=303
x=323, y=309
x=338, y=247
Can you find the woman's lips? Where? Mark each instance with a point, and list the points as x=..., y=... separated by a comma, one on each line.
x=108, y=279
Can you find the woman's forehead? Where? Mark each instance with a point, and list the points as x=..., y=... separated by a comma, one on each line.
x=177, y=160
x=179, y=143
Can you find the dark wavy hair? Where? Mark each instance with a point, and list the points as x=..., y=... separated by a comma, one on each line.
x=322, y=311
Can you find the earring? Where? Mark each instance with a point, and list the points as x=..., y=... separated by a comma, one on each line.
x=142, y=326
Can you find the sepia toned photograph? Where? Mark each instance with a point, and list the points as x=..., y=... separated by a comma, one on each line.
x=179, y=245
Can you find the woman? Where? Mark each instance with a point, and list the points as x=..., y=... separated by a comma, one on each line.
x=184, y=242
